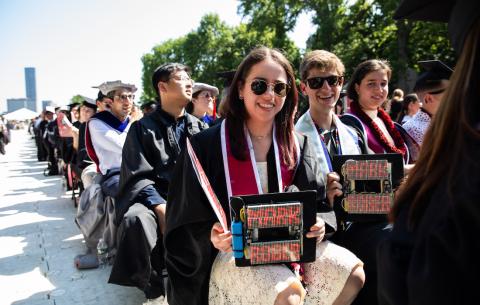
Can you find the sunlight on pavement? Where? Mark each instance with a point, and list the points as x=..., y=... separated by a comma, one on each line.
x=12, y=245
x=24, y=285
x=22, y=219
x=75, y=237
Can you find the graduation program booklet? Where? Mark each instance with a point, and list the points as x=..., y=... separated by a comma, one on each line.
x=207, y=188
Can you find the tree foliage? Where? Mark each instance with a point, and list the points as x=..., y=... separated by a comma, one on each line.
x=76, y=99
x=213, y=47
x=353, y=30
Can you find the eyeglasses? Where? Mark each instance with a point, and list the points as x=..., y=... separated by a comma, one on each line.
x=183, y=78
x=260, y=86
x=437, y=91
x=125, y=97
x=317, y=82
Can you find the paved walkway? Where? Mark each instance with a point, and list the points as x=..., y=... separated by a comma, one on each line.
x=39, y=239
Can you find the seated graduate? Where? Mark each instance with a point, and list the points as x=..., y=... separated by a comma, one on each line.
x=203, y=104
x=88, y=167
x=322, y=79
x=430, y=88
x=368, y=89
x=253, y=151
x=104, y=139
x=50, y=137
x=321, y=74
x=149, y=155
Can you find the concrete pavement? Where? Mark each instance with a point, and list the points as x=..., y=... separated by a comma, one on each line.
x=39, y=239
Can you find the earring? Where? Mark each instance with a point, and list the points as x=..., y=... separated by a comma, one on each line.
x=240, y=98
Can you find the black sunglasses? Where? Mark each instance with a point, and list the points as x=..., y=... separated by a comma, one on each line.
x=317, y=82
x=260, y=86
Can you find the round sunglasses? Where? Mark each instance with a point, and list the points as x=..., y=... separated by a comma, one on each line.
x=260, y=86
x=317, y=82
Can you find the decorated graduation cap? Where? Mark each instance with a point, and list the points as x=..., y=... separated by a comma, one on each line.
x=198, y=87
x=460, y=15
x=434, y=72
x=107, y=87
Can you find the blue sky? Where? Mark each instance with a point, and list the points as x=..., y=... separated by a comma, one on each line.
x=78, y=44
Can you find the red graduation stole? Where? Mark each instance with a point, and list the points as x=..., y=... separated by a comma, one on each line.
x=241, y=177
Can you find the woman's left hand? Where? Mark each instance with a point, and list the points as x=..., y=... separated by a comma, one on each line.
x=317, y=230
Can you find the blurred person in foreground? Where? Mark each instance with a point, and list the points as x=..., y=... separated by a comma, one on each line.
x=431, y=256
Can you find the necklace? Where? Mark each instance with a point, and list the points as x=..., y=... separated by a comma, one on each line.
x=255, y=137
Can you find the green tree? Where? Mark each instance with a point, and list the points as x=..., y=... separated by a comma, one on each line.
x=76, y=99
x=212, y=47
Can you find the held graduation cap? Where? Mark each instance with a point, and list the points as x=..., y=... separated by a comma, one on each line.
x=434, y=72
x=460, y=15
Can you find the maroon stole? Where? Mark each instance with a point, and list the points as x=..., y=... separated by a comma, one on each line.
x=241, y=177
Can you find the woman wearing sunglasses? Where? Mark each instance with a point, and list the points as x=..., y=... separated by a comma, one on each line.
x=253, y=151
x=203, y=102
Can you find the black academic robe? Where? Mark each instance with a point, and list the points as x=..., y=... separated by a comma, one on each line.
x=437, y=261
x=82, y=158
x=149, y=156
x=189, y=252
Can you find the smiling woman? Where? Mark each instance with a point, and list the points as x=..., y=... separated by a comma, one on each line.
x=368, y=89
x=261, y=154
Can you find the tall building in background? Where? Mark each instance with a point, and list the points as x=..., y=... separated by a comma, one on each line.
x=31, y=86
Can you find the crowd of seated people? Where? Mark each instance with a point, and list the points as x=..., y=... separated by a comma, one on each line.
x=141, y=195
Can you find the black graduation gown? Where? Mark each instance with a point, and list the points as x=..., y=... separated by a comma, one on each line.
x=437, y=262
x=148, y=158
x=189, y=252
x=149, y=155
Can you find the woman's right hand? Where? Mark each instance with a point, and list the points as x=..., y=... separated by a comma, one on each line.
x=220, y=240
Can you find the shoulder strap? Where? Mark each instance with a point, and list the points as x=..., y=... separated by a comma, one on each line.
x=354, y=122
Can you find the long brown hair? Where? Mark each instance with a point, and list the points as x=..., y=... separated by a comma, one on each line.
x=450, y=135
x=235, y=113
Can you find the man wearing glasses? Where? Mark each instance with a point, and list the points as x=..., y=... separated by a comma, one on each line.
x=105, y=135
x=108, y=129
x=150, y=151
x=430, y=88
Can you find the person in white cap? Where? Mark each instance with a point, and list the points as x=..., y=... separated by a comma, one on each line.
x=107, y=130
x=104, y=138
x=203, y=102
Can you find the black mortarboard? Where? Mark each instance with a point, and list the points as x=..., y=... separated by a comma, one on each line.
x=227, y=76
x=434, y=72
x=100, y=96
x=460, y=15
